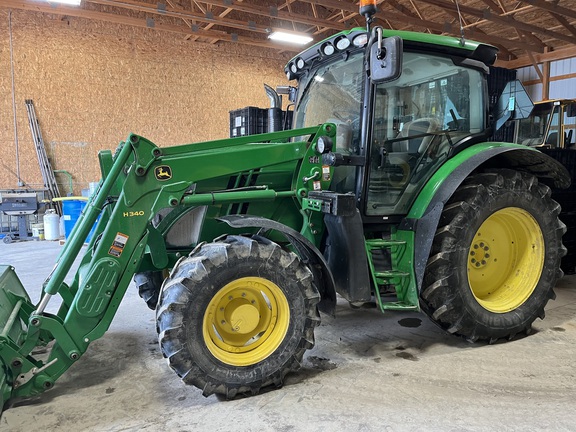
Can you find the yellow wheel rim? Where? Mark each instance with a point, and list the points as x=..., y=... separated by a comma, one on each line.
x=246, y=321
x=505, y=260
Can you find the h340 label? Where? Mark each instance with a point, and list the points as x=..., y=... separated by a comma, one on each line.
x=133, y=213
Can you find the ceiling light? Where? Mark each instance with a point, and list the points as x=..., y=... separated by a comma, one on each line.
x=295, y=38
x=66, y=2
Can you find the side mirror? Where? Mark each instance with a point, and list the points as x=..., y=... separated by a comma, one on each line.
x=514, y=103
x=571, y=110
x=385, y=58
x=287, y=90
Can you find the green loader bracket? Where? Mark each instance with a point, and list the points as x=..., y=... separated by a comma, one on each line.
x=15, y=307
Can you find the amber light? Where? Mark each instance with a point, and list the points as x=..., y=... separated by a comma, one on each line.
x=367, y=8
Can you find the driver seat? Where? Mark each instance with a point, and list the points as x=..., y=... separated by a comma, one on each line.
x=416, y=127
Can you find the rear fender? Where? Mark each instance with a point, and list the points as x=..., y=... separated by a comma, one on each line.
x=305, y=249
x=425, y=213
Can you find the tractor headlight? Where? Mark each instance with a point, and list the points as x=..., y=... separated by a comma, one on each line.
x=360, y=40
x=324, y=144
x=328, y=49
x=342, y=43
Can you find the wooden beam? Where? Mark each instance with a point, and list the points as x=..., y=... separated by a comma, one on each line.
x=521, y=34
x=438, y=27
x=551, y=7
x=539, y=58
x=135, y=22
x=502, y=20
x=491, y=4
x=546, y=80
x=535, y=66
x=565, y=23
x=554, y=78
x=283, y=15
x=168, y=11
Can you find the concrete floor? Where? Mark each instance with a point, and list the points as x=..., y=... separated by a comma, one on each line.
x=368, y=372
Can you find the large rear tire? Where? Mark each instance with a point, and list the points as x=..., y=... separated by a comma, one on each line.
x=237, y=315
x=495, y=257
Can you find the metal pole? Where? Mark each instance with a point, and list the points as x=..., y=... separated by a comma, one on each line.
x=20, y=183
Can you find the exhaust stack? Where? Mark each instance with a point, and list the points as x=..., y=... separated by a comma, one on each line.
x=275, y=110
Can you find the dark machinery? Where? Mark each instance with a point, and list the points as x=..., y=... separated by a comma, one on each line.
x=21, y=205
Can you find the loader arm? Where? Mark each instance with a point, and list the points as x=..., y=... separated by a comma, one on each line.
x=138, y=181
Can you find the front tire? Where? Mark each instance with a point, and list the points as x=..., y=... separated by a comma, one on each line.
x=237, y=315
x=495, y=257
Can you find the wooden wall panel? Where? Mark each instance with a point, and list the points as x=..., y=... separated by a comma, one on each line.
x=92, y=83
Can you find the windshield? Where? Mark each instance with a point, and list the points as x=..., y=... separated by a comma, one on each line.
x=531, y=130
x=417, y=119
x=333, y=94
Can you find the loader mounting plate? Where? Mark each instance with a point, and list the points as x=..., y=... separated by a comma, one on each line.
x=12, y=297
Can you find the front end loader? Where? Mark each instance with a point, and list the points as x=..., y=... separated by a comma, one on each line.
x=385, y=191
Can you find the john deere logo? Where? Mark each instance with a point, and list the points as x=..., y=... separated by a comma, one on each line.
x=163, y=172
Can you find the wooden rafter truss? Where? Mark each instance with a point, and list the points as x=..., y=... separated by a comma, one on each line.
x=526, y=31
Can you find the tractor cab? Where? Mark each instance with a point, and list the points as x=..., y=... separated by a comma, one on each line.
x=392, y=132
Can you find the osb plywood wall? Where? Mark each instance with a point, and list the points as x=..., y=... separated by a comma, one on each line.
x=92, y=83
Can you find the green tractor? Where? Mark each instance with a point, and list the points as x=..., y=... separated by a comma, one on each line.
x=385, y=191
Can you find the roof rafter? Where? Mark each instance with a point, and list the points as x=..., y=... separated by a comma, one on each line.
x=135, y=22
x=520, y=28
x=499, y=19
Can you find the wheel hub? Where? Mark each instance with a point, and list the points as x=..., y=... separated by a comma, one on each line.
x=480, y=252
x=242, y=316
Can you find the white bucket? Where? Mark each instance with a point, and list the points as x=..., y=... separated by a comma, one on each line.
x=51, y=225
x=38, y=231
x=92, y=186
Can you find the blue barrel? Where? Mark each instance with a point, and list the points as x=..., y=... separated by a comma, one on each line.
x=71, y=211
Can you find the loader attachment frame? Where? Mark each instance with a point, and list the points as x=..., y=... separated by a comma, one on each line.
x=138, y=181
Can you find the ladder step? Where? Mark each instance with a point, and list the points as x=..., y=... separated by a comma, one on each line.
x=399, y=306
x=375, y=244
x=391, y=274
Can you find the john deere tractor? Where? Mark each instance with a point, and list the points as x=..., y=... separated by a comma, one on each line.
x=385, y=191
